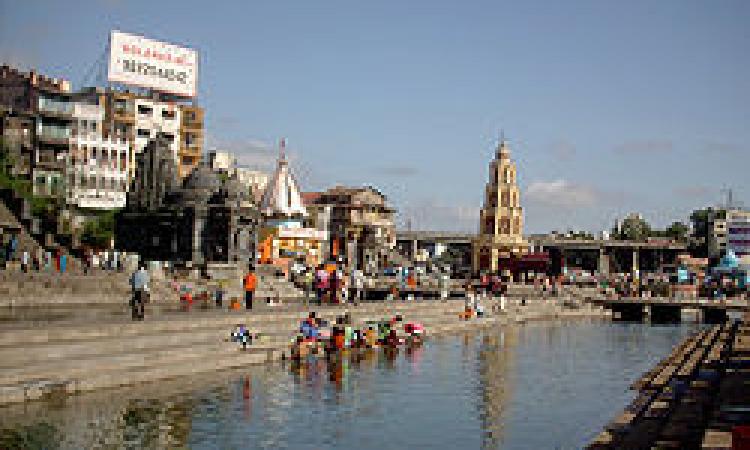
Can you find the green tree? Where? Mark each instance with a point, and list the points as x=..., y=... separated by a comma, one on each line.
x=677, y=231
x=634, y=228
x=99, y=230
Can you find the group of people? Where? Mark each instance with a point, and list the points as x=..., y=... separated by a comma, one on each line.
x=112, y=260
x=318, y=337
x=42, y=260
x=333, y=283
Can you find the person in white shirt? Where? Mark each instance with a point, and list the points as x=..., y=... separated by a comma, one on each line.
x=357, y=286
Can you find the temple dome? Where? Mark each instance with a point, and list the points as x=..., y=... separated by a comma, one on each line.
x=201, y=184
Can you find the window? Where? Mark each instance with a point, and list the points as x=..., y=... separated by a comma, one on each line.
x=189, y=139
x=167, y=114
x=145, y=110
x=144, y=133
x=94, y=153
x=120, y=105
x=167, y=136
x=93, y=125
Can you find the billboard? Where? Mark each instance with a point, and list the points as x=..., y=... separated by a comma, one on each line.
x=138, y=61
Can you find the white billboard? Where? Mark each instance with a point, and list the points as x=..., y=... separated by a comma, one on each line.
x=138, y=61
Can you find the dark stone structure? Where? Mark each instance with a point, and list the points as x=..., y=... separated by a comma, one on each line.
x=199, y=220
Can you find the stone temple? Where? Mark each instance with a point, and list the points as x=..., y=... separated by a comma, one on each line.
x=199, y=220
x=500, y=243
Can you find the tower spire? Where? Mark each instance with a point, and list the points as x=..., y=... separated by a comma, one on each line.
x=282, y=149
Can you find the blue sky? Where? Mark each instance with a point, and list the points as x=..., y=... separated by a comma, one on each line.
x=609, y=107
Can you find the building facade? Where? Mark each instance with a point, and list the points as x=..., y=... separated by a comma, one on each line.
x=140, y=118
x=738, y=234
x=500, y=237
x=37, y=115
x=709, y=232
x=97, y=168
x=359, y=224
x=71, y=144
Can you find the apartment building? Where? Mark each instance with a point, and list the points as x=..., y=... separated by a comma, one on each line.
x=191, y=139
x=82, y=145
x=738, y=234
x=36, y=121
x=98, y=167
x=140, y=118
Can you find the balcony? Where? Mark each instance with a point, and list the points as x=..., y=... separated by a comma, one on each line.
x=55, y=107
x=53, y=135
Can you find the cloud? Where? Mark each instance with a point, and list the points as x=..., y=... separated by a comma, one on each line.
x=397, y=171
x=645, y=146
x=562, y=193
x=563, y=150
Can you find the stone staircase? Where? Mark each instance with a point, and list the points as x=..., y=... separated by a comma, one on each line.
x=272, y=284
x=25, y=241
x=15, y=211
x=68, y=358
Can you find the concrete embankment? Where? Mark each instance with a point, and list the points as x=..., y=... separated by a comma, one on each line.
x=696, y=397
x=67, y=358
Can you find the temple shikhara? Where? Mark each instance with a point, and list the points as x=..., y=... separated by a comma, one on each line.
x=285, y=237
x=500, y=243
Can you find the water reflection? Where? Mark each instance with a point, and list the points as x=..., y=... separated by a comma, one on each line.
x=495, y=367
x=536, y=386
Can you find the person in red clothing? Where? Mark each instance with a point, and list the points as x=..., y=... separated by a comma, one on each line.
x=250, y=283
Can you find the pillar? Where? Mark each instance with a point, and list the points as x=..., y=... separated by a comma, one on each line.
x=646, y=313
x=688, y=314
x=636, y=273
x=414, y=249
x=197, y=238
x=603, y=261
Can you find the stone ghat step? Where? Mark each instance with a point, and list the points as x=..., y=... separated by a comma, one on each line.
x=186, y=322
x=69, y=376
x=41, y=387
x=25, y=335
x=60, y=368
x=13, y=356
x=81, y=367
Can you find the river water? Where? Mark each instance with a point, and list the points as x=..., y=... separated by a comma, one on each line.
x=534, y=386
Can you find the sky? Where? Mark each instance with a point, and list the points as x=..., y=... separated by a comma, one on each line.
x=608, y=107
